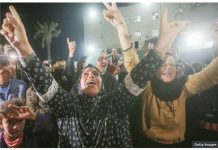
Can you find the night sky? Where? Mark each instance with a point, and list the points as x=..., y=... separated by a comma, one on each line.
x=68, y=15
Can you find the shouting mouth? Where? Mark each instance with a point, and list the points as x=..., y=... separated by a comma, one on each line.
x=91, y=82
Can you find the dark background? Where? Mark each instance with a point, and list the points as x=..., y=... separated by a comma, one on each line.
x=68, y=15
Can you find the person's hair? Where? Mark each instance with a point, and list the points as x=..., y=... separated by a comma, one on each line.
x=98, y=54
x=4, y=61
x=197, y=66
x=56, y=64
x=4, y=106
x=54, y=61
x=89, y=66
x=172, y=55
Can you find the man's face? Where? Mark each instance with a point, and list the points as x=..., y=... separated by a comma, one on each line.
x=102, y=61
x=13, y=128
x=91, y=81
x=5, y=75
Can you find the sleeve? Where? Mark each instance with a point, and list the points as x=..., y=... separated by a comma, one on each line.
x=130, y=59
x=46, y=131
x=70, y=68
x=43, y=123
x=135, y=81
x=204, y=79
x=58, y=100
x=114, y=83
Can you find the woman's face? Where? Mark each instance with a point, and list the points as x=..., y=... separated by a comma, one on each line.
x=167, y=71
x=91, y=81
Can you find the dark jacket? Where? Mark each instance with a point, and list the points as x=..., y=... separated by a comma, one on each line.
x=66, y=77
x=99, y=121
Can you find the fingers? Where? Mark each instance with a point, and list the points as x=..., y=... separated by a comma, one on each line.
x=68, y=40
x=14, y=13
x=17, y=109
x=114, y=5
x=105, y=15
x=164, y=17
x=180, y=25
x=23, y=110
x=12, y=20
x=9, y=23
x=107, y=5
x=13, y=116
x=6, y=26
x=14, y=107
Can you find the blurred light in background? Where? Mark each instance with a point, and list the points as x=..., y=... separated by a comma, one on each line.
x=194, y=39
x=92, y=14
x=91, y=48
x=13, y=56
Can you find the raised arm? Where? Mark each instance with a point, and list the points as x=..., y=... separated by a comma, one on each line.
x=47, y=88
x=214, y=36
x=168, y=32
x=70, y=68
x=71, y=47
x=134, y=83
x=14, y=31
x=113, y=15
x=207, y=77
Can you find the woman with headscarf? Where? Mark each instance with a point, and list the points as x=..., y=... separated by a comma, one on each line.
x=89, y=119
x=162, y=121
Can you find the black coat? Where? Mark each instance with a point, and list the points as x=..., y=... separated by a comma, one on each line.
x=100, y=121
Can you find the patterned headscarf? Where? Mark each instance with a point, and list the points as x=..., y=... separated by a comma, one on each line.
x=79, y=85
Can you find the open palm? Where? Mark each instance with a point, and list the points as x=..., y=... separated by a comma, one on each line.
x=170, y=30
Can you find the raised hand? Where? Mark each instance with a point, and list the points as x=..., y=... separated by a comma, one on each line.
x=168, y=32
x=13, y=30
x=22, y=112
x=113, y=15
x=71, y=47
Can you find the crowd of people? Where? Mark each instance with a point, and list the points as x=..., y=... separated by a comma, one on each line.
x=110, y=99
